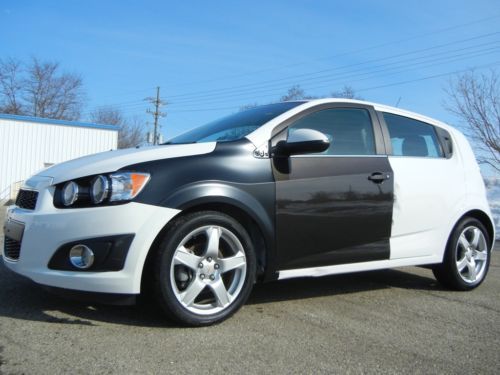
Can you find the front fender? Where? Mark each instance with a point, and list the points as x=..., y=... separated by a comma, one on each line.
x=256, y=200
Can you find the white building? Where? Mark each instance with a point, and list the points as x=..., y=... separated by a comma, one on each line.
x=29, y=144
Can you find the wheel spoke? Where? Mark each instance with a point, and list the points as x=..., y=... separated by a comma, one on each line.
x=475, y=238
x=220, y=292
x=463, y=241
x=471, y=268
x=184, y=257
x=212, y=249
x=480, y=255
x=461, y=264
x=231, y=263
x=192, y=291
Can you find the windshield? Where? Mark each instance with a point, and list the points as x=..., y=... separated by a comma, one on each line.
x=235, y=126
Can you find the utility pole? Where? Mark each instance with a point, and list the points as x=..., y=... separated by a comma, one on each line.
x=157, y=102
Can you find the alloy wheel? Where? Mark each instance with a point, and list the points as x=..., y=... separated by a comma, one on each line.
x=471, y=255
x=208, y=269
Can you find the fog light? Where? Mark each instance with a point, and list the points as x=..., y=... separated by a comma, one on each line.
x=81, y=257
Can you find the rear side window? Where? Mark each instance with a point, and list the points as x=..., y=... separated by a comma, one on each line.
x=349, y=130
x=412, y=137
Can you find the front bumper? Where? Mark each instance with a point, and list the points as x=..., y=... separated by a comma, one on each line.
x=47, y=228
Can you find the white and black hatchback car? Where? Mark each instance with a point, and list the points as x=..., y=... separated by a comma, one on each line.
x=304, y=188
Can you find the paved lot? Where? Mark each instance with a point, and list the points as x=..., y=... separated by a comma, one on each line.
x=390, y=321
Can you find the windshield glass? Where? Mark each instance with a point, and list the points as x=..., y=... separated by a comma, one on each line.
x=235, y=126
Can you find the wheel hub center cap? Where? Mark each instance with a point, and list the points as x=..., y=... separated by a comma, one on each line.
x=209, y=270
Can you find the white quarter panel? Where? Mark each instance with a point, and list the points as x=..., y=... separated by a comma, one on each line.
x=427, y=193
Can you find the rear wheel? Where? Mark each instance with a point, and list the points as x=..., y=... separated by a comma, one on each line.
x=467, y=257
x=205, y=268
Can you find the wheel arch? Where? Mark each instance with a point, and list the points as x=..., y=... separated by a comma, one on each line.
x=232, y=201
x=485, y=219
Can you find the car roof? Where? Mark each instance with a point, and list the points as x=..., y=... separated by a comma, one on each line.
x=263, y=133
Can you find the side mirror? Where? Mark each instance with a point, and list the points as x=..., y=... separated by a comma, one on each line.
x=302, y=141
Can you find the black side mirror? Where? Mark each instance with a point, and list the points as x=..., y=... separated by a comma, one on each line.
x=302, y=141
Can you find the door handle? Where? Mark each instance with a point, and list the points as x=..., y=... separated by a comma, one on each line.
x=379, y=177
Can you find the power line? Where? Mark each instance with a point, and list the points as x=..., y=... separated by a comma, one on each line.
x=237, y=89
x=363, y=89
x=360, y=71
x=295, y=76
x=351, y=76
x=126, y=93
x=405, y=70
x=355, y=75
x=368, y=75
x=345, y=75
x=364, y=49
x=429, y=77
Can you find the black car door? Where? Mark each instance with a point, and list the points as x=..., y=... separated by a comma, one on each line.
x=334, y=207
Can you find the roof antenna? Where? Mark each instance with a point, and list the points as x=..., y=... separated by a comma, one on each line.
x=399, y=100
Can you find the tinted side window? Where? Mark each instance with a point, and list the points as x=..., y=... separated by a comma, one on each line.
x=349, y=130
x=412, y=138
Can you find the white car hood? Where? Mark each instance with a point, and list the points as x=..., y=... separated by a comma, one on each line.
x=111, y=161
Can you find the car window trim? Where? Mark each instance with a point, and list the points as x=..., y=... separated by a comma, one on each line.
x=437, y=131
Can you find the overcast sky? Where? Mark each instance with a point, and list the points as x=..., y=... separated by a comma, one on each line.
x=211, y=57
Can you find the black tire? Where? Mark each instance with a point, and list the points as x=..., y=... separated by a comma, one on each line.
x=447, y=273
x=166, y=293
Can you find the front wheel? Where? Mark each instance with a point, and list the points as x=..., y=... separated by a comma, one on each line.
x=467, y=256
x=205, y=268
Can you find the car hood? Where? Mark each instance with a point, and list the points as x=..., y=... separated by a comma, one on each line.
x=111, y=161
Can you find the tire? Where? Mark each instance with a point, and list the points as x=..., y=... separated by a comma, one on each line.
x=204, y=269
x=467, y=256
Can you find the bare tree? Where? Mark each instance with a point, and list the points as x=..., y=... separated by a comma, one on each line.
x=107, y=115
x=130, y=131
x=10, y=87
x=295, y=93
x=475, y=100
x=298, y=93
x=40, y=89
x=52, y=94
x=347, y=92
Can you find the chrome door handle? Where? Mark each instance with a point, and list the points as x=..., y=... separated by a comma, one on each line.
x=379, y=177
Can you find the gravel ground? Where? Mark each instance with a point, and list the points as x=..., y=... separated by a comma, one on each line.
x=393, y=321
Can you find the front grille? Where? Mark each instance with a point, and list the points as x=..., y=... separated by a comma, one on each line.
x=11, y=248
x=26, y=199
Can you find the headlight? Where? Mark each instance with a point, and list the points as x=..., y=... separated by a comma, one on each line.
x=99, y=189
x=126, y=185
x=69, y=193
